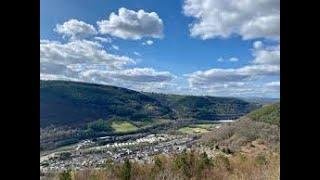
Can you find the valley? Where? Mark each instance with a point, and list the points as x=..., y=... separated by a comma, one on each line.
x=88, y=127
x=140, y=147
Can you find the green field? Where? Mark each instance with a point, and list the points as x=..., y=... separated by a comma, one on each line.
x=193, y=130
x=206, y=126
x=150, y=123
x=123, y=126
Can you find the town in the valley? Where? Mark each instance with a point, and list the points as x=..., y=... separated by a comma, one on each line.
x=138, y=147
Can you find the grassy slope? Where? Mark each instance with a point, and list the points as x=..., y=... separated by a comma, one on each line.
x=268, y=113
x=261, y=125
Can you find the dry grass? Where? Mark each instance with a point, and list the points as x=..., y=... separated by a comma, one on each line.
x=239, y=166
x=243, y=132
x=193, y=130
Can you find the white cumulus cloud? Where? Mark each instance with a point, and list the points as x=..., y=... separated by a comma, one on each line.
x=80, y=51
x=220, y=59
x=148, y=42
x=75, y=29
x=273, y=86
x=131, y=75
x=222, y=18
x=246, y=73
x=251, y=79
x=136, y=53
x=233, y=59
x=134, y=25
x=258, y=44
x=267, y=55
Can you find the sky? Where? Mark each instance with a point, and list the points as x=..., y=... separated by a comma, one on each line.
x=197, y=47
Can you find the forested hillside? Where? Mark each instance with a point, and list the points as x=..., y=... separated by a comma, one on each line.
x=75, y=103
x=68, y=103
x=205, y=107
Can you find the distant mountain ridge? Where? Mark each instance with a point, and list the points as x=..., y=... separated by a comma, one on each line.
x=262, y=100
x=76, y=103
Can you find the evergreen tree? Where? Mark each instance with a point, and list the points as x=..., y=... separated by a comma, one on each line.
x=125, y=173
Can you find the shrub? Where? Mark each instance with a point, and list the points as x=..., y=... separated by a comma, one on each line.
x=125, y=172
x=181, y=164
x=261, y=159
x=65, y=155
x=222, y=161
x=65, y=175
x=99, y=125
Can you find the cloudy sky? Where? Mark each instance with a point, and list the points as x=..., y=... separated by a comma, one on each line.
x=198, y=47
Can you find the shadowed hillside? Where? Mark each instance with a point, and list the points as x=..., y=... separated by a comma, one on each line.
x=69, y=103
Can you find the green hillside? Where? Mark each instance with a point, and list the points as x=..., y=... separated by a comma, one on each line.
x=268, y=113
x=76, y=104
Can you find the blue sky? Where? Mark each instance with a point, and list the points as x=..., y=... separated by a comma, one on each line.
x=195, y=49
